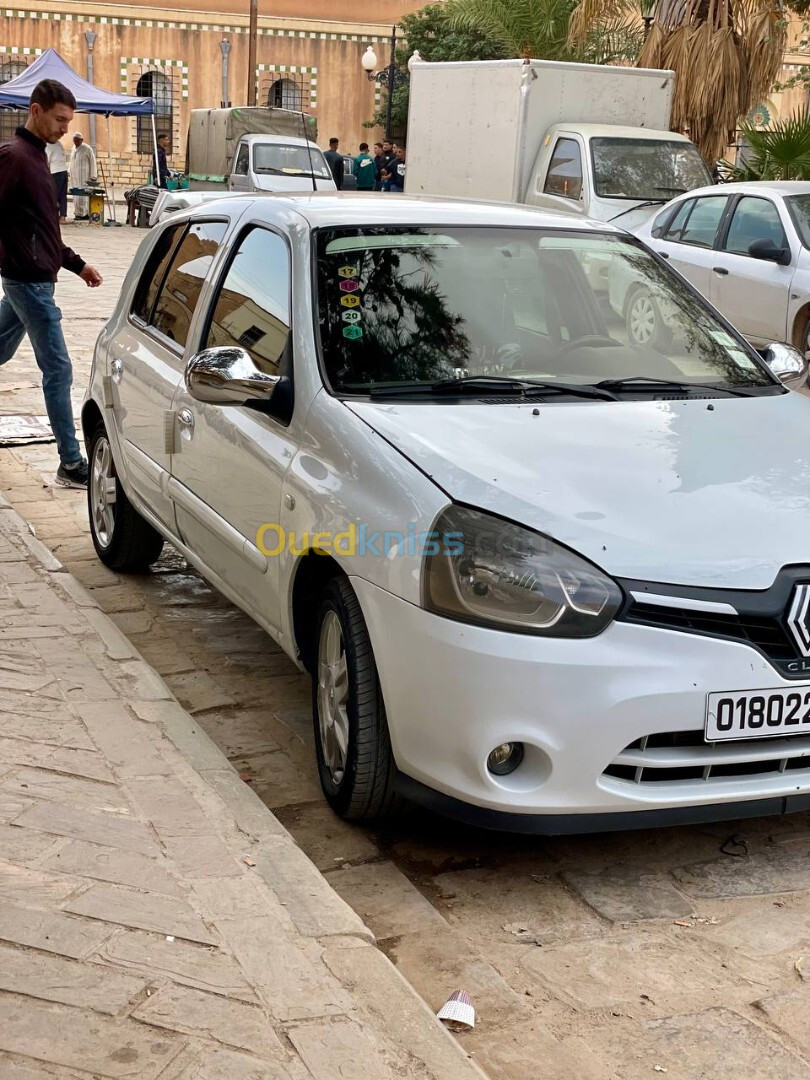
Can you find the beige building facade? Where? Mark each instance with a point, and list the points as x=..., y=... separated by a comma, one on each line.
x=307, y=57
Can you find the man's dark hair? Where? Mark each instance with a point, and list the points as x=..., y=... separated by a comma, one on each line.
x=334, y=142
x=162, y=138
x=376, y=144
x=49, y=93
x=364, y=146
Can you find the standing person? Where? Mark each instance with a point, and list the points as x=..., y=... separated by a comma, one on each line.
x=395, y=174
x=31, y=255
x=364, y=169
x=335, y=162
x=160, y=168
x=82, y=169
x=379, y=162
x=59, y=176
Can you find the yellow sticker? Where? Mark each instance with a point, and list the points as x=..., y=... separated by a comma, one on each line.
x=347, y=271
x=350, y=301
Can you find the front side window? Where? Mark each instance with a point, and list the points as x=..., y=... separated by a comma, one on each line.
x=799, y=209
x=180, y=292
x=416, y=306
x=252, y=307
x=754, y=219
x=565, y=170
x=646, y=168
x=242, y=159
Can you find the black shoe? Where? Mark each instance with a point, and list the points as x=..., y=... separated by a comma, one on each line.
x=72, y=476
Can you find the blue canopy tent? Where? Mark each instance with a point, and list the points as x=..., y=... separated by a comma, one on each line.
x=16, y=93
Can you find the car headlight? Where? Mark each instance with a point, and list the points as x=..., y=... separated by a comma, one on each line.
x=492, y=572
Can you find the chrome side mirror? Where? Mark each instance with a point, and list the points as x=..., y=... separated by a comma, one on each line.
x=787, y=364
x=227, y=376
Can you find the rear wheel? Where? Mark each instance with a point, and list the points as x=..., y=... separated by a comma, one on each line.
x=121, y=537
x=645, y=323
x=353, y=747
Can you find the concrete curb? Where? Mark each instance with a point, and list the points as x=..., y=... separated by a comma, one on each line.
x=156, y=748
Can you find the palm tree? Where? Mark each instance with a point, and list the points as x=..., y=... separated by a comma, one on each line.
x=726, y=55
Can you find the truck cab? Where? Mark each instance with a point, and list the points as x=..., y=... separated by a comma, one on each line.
x=613, y=173
x=279, y=163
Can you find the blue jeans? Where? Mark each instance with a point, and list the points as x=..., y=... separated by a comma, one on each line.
x=28, y=307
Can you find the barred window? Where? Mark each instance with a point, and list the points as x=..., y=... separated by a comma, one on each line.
x=156, y=85
x=10, y=119
x=285, y=94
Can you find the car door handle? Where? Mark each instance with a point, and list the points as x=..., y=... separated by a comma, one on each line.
x=117, y=369
x=185, y=418
x=721, y=271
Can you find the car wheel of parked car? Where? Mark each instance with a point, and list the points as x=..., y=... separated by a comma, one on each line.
x=121, y=537
x=352, y=743
x=645, y=323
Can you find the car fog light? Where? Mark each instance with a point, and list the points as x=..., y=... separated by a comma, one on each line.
x=505, y=758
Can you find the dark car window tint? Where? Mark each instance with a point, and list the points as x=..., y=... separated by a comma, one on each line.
x=252, y=308
x=181, y=291
x=565, y=170
x=704, y=221
x=153, y=274
x=241, y=167
x=754, y=219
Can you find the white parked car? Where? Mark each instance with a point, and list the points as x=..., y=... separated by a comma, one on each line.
x=746, y=247
x=543, y=578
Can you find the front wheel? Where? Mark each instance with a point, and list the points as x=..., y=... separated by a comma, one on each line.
x=121, y=537
x=353, y=747
x=645, y=323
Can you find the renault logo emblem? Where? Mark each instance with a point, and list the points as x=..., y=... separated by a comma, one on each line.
x=799, y=618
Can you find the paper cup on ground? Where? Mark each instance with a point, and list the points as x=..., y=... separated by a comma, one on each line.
x=458, y=1009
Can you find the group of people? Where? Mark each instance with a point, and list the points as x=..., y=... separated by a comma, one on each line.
x=75, y=174
x=382, y=171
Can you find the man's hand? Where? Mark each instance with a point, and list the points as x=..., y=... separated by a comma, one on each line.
x=91, y=276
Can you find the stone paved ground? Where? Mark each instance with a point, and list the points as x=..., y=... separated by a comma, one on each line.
x=595, y=957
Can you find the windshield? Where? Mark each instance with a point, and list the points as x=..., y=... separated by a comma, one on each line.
x=646, y=168
x=799, y=208
x=289, y=160
x=416, y=305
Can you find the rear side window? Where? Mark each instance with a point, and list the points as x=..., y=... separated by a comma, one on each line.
x=155, y=271
x=180, y=291
x=565, y=170
x=699, y=226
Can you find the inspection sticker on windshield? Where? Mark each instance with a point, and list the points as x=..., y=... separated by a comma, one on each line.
x=350, y=301
x=736, y=350
x=353, y=332
x=349, y=286
x=757, y=714
x=351, y=316
x=347, y=271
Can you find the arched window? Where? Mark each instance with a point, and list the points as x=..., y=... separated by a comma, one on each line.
x=156, y=85
x=10, y=119
x=285, y=94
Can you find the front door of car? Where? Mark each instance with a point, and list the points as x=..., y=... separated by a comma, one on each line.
x=688, y=241
x=227, y=476
x=239, y=179
x=146, y=356
x=753, y=293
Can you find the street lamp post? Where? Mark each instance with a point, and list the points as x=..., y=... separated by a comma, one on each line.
x=90, y=38
x=225, y=47
x=389, y=77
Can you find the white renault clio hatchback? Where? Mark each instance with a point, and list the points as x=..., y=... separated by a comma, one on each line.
x=544, y=578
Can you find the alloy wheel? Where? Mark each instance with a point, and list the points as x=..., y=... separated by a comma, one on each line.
x=333, y=697
x=102, y=492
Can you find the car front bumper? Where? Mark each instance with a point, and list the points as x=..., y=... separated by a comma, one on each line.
x=453, y=692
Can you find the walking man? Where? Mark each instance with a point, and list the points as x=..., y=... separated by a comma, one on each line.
x=57, y=163
x=364, y=169
x=82, y=169
x=31, y=255
x=335, y=162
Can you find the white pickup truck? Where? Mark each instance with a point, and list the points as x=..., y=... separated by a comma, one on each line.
x=583, y=138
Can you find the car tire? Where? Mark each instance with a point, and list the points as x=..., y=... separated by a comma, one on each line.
x=644, y=321
x=355, y=762
x=122, y=538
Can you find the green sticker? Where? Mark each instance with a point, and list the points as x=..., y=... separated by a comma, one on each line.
x=353, y=332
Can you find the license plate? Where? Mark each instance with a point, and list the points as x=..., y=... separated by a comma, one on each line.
x=757, y=714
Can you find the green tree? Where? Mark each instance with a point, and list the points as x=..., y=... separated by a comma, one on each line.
x=429, y=31
x=778, y=152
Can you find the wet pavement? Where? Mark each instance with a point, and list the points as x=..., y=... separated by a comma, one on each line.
x=685, y=951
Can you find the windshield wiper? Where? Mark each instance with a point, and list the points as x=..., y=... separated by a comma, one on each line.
x=491, y=384
x=647, y=382
x=638, y=206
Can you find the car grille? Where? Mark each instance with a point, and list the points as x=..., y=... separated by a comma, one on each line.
x=674, y=756
x=762, y=631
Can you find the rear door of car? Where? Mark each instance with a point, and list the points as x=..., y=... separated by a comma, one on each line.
x=688, y=240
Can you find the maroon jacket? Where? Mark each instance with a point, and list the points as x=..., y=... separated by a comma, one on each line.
x=31, y=247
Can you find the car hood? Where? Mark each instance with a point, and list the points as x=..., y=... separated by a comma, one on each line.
x=706, y=493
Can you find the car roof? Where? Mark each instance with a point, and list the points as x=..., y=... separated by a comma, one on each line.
x=287, y=140
x=323, y=209
x=753, y=187
x=615, y=131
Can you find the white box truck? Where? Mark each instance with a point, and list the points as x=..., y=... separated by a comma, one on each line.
x=584, y=138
